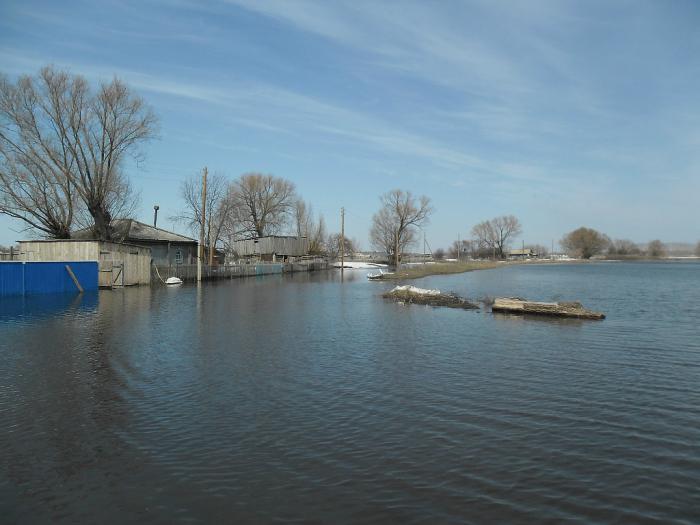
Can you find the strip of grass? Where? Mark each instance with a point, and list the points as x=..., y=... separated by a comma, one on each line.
x=423, y=270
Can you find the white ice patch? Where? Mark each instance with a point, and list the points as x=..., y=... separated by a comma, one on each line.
x=415, y=290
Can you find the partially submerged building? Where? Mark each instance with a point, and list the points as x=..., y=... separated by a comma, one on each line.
x=167, y=248
x=522, y=253
x=119, y=264
x=274, y=248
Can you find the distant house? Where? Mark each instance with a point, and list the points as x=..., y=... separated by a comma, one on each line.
x=522, y=253
x=167, y=248
x=274, y=248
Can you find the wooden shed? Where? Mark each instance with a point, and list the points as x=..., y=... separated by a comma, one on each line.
x=119, y=264
x=275, y=248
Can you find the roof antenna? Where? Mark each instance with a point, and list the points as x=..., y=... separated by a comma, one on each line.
x=155, y=215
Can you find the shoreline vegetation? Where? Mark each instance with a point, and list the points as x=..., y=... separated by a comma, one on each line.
x=418, y=271
x=424, y=270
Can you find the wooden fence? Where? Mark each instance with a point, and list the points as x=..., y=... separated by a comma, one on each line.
x=188, y=272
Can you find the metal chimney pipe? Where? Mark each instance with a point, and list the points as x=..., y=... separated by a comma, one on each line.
x=155, y=215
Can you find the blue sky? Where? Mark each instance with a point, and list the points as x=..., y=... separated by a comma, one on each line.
x=561, y=113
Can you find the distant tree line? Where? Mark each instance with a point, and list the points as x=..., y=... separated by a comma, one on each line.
x=587, y=242
x=490, y=239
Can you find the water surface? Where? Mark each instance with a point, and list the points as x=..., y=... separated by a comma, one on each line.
x=301, y=398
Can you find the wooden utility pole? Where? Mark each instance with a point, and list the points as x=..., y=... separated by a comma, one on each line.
x=459, y=247
x=342, y=240
x=200, y=254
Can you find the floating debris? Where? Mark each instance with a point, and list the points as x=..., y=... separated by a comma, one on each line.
x=516, y=305
x=414, y=295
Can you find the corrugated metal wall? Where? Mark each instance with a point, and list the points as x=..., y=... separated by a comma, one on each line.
x=134, y=262
x=11, y=278
x=24, y=278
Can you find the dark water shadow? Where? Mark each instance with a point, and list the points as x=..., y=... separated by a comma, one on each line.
x=24, y=308
x=542, y=319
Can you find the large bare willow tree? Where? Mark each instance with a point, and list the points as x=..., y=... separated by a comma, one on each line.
x=262, y=204
x=497, y=233
x=394, y=225
x=63, y=149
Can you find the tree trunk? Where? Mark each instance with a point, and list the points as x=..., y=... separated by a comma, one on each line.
x=103, y=223
x=396, y=251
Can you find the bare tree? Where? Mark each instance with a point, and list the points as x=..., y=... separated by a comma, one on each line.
x=497, y=233
x=303, y=217
x=262, y=205
x=60, y=143
x=307, y=226
x=656, y=249
x=333, y=246
x=218, y=209
x=623, y=247
x=585, y=242
x=439, y=254
x=33, y=184
x=317, y=237
x=394, y=225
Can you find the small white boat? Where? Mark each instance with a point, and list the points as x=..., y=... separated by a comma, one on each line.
x=375, y=276
x=173, y=280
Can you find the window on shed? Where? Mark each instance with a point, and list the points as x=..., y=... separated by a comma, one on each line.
x=178, y=256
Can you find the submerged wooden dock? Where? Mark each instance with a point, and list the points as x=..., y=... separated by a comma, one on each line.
x=562, y=309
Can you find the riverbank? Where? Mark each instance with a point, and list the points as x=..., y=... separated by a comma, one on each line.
x=424, y=270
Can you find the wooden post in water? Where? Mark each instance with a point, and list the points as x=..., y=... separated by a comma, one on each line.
x=75, y=279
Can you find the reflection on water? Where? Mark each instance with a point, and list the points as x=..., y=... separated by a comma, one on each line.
x=27, y=308
x=303, y=398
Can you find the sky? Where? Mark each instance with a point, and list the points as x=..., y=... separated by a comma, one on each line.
x=561, y=113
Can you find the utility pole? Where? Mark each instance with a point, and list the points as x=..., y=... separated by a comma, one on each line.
x=200, y=254
x=342, y=241
x=424, y=258
x=459, y=247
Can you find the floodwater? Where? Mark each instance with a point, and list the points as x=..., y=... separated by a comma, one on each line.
x=300, y=398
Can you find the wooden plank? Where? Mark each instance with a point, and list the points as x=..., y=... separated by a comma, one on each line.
x=562, y=309
x=75, y=279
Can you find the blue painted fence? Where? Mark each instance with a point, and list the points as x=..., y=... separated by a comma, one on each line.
x=25, y=278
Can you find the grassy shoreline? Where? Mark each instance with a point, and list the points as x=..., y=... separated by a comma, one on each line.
x=424, y=270
x=447, y=268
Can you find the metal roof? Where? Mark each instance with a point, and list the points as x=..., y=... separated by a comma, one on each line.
x=131, y=230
